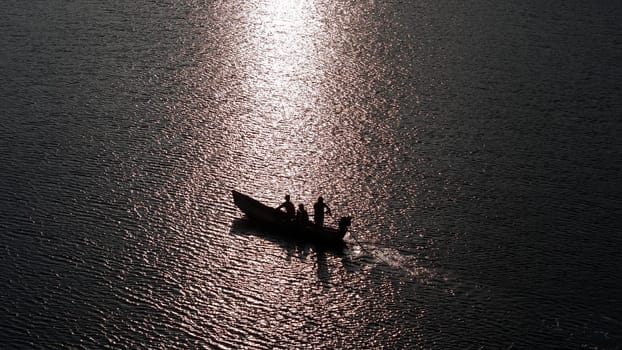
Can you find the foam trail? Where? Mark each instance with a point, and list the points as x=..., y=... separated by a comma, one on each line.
x=393, y=258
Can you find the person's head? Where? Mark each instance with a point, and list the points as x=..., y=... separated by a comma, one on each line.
x=301, y=206
x=287, y=197
x=320, y=199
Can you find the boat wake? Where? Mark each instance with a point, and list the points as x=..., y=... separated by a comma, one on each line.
x=380, y=256
x=391, y=261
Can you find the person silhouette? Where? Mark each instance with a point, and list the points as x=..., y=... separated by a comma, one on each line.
x=318, y=211
x=301, y=215
x=290, y=210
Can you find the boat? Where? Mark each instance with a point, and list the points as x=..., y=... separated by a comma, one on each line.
x=276, y=221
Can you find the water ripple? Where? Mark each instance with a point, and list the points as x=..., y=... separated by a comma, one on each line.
x=481, y=177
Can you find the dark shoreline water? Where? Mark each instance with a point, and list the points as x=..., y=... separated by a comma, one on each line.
x=477, y=146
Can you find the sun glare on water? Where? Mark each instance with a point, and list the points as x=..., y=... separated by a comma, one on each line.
x=283, y=77
x=300, y=129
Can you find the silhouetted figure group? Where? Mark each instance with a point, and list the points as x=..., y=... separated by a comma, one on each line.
x=301, y=216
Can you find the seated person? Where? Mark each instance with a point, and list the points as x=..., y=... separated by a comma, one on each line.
x=302, y=216
x=290, y=210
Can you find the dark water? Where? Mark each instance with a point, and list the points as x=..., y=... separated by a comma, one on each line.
x=476, y=144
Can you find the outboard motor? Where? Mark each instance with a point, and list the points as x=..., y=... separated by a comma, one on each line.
x=344, y=223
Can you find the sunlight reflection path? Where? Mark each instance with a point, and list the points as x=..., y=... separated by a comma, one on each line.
x=315, y=119
x=295, y=105
x=283, y=77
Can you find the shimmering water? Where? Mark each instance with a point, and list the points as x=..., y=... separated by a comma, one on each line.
x=476, y=145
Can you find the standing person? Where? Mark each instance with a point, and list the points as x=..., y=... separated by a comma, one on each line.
x=290, y=210
x=318, y=211
x=301, y=215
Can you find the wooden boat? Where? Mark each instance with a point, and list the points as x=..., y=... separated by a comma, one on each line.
x=275, y=221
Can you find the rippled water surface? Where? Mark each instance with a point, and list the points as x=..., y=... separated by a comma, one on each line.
x=477, y=146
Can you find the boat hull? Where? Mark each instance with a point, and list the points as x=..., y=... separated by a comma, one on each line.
x=275, y=221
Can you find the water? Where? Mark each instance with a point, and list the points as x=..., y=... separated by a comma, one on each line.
x=476, y=145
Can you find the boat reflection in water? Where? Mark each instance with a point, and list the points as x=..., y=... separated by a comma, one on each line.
x=277, y=222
